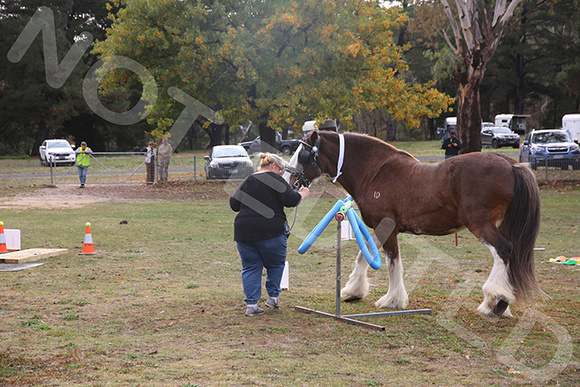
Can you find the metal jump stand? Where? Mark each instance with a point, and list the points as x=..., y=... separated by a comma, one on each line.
x=351, y=318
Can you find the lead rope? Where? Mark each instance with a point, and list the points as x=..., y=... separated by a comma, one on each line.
x=294, y=221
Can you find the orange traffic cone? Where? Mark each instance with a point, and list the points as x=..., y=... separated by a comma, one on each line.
x=88, y=247
x=3, y=248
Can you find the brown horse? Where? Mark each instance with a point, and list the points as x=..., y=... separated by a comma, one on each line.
x=490, y=194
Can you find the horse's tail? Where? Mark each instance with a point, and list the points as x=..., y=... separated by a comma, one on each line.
x=520, y=226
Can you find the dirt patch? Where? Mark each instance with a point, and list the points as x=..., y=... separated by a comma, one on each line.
x=71, y=196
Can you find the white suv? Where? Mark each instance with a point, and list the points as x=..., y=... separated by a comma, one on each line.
x=56, y=152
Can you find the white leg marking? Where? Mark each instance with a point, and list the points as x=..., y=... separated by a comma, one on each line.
x=496, y=286
x=396, y=297
x=358, y=283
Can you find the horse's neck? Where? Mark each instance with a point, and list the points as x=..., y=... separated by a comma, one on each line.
x=362, y=160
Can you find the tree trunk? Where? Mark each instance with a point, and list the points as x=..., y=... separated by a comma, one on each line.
x=214, y=132
x=285, y=131
x=267, y=137
x=432, y=129
x=41, y=135
x=226, y=134
x=519, y=92
x=469, y=110
x=477, y=30
x=391, y=130
x=192, y=137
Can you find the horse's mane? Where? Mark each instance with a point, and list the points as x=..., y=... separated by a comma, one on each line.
x=370, y=141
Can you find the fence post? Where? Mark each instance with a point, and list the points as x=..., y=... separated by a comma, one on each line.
x=546, y=165
x=51, y=172
x=194, y=168
x=155, y=169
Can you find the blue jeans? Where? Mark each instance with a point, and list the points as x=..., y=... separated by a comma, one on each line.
x=82, y=173
x=270, y=254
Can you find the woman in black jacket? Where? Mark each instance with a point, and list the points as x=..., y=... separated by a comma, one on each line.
x=260, y=229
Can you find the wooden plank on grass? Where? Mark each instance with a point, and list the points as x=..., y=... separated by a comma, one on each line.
x=30, y=255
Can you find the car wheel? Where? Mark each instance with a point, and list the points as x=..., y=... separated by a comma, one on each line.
x=534, y=165
x=286, y=151
x=576, y=165
x=516, y=146
x=494, y=144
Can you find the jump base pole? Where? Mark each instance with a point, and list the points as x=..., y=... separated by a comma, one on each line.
x=341, y=318
x=351, y=318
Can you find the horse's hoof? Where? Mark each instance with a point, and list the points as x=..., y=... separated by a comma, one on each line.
x=352, y=299
x=500, y=306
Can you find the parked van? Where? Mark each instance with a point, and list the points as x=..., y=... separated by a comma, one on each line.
x=516, y=122
x=571, y=123
x=450, y=125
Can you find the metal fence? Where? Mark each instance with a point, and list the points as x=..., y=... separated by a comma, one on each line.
x=128, y=168
x=105, y=168
x=556, y=170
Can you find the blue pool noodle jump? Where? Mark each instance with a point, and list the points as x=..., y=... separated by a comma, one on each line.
x=315, y=233
x=362, y=235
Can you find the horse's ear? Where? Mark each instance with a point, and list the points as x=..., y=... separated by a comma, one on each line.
x=313, y=137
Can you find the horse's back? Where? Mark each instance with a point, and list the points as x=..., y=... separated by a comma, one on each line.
x=483, y=185
x=444, y=197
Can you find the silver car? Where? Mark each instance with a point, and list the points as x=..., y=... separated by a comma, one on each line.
x=228, y=162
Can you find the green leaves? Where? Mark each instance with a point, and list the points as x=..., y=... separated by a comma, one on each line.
x=274, y=62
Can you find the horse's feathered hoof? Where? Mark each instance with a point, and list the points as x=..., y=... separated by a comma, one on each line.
x=351, y=299
x=500, y=306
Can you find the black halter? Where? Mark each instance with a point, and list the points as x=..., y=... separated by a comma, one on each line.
x=308, y=158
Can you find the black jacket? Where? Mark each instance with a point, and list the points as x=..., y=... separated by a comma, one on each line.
x=451, y=150
x=260, y=201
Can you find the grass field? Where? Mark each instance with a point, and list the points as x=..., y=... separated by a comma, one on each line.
x=161, y=302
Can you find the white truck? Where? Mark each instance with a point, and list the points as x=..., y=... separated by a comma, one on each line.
x=328, y=124
x=516, y=122
x=571, y=123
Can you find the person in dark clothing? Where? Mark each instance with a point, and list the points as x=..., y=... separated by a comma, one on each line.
x=452, y=146
x=261, y=229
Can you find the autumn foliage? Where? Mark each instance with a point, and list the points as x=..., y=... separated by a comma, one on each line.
x=275, y=62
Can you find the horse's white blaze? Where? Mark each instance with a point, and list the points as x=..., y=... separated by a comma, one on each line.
x=293, y=163
x=497, y=285
x=397, y=296
x=358, y=283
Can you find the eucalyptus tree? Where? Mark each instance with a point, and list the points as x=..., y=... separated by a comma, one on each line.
x=472, y=30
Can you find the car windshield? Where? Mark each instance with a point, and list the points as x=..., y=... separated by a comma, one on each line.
x=550, y=137
x=229, y=152
x=502, y=130
x=57, y=144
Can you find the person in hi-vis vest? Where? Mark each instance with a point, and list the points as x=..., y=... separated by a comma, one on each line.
x=83, y=161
